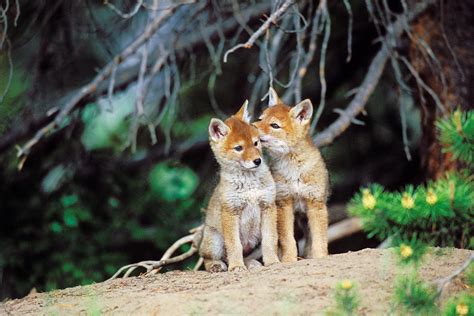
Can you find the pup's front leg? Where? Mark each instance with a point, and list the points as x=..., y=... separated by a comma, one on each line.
x=286, y=234
x=269, y=234
x=317, y=213
x=212, y=250
x=233, y=245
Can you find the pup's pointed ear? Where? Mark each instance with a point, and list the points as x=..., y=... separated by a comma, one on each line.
x=218, y=130
x=243, y=114
x=302, y=112
x=273, y=98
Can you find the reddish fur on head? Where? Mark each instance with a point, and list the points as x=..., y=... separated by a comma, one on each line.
x=227, y=136
x=282, y=127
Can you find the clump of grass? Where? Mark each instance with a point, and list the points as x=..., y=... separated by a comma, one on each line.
x=347, y=299
x=415, y=296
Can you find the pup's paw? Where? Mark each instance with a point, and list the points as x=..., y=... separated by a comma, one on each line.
x=251, y=264
x=237, y=268
x=217, y=267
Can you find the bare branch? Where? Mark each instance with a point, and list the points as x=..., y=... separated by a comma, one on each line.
x=91, y=87
x=150, y=265
x=110, y=90
x=17, y=15
x=10, y=71
x=371, y=79
x=322, y=63
x=441, y=284
x=343, y=229
x=122, y=14
x=4, y=18
x=308, y=57
x=272, y=19
x=422, y=83
x=349, y=30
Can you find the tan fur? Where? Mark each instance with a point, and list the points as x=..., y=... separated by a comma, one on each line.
x=241, y=213
x=300, y=175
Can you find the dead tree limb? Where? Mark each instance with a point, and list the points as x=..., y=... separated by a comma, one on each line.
x=91, y=87
x=371, y=79
x=441, y=284
x=336, y=232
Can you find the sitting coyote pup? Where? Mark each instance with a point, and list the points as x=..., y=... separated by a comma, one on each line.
x=242, y=211
x=299, y=172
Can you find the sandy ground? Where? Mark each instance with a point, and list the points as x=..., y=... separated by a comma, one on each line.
x=302, y=288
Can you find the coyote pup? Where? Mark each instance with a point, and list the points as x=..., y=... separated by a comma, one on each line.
x=299, y=172
x=242, y=211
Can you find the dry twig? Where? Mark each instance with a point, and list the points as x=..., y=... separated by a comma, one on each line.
x=271, y=20
x=441, y=284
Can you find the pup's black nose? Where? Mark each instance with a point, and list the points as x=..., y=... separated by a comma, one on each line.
x=257, y=161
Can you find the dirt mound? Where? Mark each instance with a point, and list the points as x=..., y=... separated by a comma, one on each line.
x=304, y=287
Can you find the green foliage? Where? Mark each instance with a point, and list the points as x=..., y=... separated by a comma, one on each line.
x=10, y=105
x=172, y=183
x=437, y=214
x=440, y=213
x=107, y=126
x=346, y=299
x=457, y=132
x=460, y=305
x=414, y=296
x=196, y=129
x=410, y=252
x=66, y=229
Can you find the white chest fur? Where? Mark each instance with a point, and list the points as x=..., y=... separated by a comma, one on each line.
x=250, y=231
x=247, y=192
x=289, y=177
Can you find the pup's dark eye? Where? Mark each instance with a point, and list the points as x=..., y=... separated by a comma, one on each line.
x=256, y=143
x=238, y=148
x=275, y=125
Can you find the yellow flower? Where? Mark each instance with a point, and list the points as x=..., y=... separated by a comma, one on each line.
x=368, y=200
x=406, y=251
x=431, y=197
x=407, y=201
x=462, y=309
x=346, y=284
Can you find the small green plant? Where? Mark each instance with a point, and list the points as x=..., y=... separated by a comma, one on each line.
x=460, y=305
x=439, y=213
x=413, y=295
x=457, y=132
x=469, y=275
x=347, y=300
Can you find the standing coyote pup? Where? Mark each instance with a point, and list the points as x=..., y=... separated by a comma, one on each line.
x=242, y=211
x=299, y=172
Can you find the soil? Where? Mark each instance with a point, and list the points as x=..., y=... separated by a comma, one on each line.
x=301, y=288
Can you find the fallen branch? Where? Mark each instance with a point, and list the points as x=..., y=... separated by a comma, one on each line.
x=344, y=229
x=441, y=284
x=153, y=267
x=337, y=231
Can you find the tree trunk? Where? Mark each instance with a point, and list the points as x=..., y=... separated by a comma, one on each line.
x=449, y=31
